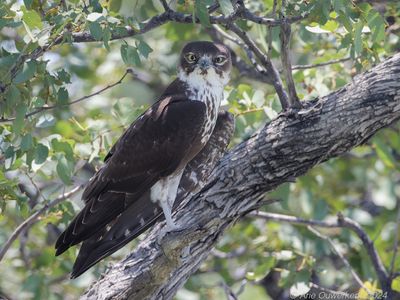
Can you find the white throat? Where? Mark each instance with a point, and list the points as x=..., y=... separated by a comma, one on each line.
x=201, y=85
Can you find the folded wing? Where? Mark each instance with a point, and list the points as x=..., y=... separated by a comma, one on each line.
x=151, y=148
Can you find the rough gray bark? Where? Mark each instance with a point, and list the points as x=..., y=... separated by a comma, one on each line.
x=282, y=150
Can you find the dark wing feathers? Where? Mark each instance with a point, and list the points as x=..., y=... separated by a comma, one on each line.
x=143, y=213
x=121, y=231
x=151, y=148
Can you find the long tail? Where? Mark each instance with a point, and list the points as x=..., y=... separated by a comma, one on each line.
x=117, y=233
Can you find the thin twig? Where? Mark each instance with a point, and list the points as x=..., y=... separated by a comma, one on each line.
x=395, y=243
x=285, y=35
x=39, y=192
x=45, y=108
x=230, y=295
x=165, y=5
x=270, y=29
x=341, y=256
x=371, y=250
x=154, y=22
x=246, y=14
x=34, y=218
x=293, y=220
x=252, y=110
x=311, y=66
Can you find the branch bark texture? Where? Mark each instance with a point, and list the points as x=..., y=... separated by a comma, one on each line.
x=282, y=150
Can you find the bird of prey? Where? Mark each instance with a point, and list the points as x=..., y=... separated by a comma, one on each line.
x=139, y=181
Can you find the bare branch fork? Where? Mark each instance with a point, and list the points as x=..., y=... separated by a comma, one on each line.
x=341, y=222
x=282, y=150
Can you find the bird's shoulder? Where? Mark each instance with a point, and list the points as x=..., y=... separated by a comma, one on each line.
x=153, y=145
x=172, y=111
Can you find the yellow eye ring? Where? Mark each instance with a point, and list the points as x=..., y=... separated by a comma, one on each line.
x=191, y=57
x=220, y=60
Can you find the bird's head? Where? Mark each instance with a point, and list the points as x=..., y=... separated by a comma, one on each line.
x=205, y=62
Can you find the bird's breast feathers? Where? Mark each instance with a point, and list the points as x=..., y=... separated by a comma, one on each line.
x=207, y=88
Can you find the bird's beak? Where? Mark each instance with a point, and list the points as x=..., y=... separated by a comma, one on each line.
x=204, y=63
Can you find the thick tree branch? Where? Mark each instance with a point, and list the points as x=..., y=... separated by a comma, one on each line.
x=284, y=149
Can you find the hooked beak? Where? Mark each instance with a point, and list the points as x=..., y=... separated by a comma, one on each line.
x=204, y=63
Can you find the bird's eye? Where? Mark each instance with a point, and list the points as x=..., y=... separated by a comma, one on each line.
x=220, y=60
x=191, y=57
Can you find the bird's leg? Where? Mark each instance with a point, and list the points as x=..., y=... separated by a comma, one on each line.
x=164, y=192
x=167, y=209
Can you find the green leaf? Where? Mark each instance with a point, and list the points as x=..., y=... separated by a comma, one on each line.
x=321, y=11
x=19, y=118
x=38, y=102
x=339, y=5
x=263, y=269
x=377, y=25
x=396, y=284
x=41, y=153
x=106, y=37
x=63, y=170
x=357, y=38
x=13, y=96
x=346, y=41
x=64, y=76
x=384, y=153
x=26, y=73
x=9, y=152
x=226, y=7
x=144, y=49
x=96, y=31
x=32, y=19
x=346, y=21
x=62, y=95
x=130, y=55
x=65, y=147
x=26, y=142
x=201, y=12
x=331, y=26
x=115, y=5
x=28, y=3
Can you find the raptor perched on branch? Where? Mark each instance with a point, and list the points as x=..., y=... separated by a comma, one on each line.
x=146, y=164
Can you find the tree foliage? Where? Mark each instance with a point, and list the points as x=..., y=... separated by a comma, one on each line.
x=65, y=97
